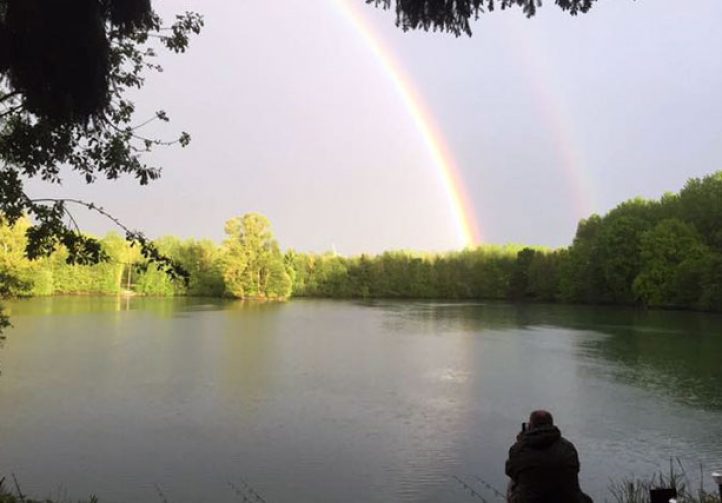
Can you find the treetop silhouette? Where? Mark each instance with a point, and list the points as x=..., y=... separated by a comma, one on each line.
x=455, y=16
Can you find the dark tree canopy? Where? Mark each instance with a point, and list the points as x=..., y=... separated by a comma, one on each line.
x=66, y=67
x=454, y=16
x=57, y=54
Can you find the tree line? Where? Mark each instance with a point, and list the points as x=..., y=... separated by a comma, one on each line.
x=658, y=253
x=248, y=264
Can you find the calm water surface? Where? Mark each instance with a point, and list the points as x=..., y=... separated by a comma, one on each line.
x=316, y=401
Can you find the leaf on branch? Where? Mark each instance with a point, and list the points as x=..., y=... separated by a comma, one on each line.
x=187, y=23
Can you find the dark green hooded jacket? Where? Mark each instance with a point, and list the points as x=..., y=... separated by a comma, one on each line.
x=543, y=467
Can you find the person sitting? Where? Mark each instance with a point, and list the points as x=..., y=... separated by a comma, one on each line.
x=543, y=465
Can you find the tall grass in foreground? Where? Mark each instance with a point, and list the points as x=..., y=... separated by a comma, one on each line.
x=17, y=496
x=628, y=490
x=635, y=490
x=244, y=492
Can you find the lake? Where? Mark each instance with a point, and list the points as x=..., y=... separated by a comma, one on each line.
x=140, y=399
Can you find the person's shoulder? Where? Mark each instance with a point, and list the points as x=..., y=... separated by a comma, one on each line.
x=566, y=442
x=567, y=449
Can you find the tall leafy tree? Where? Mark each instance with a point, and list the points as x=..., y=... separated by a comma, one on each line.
x=544, y=272
x=619, y=256
x=582, y=277
x=519, y=280
x=253, y=266
x=700, y=204
x=202, y=261
x=668, y=251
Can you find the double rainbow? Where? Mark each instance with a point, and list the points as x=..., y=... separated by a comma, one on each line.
x=556, y=116
x=467, y=228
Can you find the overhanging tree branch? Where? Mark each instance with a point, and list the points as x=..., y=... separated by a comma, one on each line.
x=11, y=110
x=136, y=238
x=455, y=16
x=9, y=96
x=86, y=204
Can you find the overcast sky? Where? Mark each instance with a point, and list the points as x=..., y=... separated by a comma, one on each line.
x=550, y=118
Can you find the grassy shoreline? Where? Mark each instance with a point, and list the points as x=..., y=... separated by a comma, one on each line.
x=628, y=490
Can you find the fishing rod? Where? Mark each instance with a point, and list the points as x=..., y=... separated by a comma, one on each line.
x=253, y=493
x=490, y=487
x=469, y=488
x=160, y=492
x=239, y=493
x=245, y=492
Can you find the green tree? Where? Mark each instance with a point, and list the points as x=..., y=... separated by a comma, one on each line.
x=700, y=203
x=13, y=263
x=15, y=269
x=202, y=261
x=519, y=280
x=619, y=256
x=125, y=258
x=711, y=283
x=300, y=265
x=331, y=276
x=253, y=266
x=582, y=277
x=150, y=280
x=543, y=275
x=668, y=252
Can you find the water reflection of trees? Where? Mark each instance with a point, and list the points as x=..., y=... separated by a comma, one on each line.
x=675, y=353
x=163, y=307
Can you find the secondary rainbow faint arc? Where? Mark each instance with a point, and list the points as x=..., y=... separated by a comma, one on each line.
x=557, y=118
x=467, y=227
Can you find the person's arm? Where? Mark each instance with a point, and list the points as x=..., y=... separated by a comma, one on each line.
x=510, y=467
x=572, y=458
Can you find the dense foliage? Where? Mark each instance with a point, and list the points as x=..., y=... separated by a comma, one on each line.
x=480, y=273
x=249, y=264
x=665, y=253
x=456, y=16
x=252, y=262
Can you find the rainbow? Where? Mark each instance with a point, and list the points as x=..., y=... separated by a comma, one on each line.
x=462, y=210
x=552, y=105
